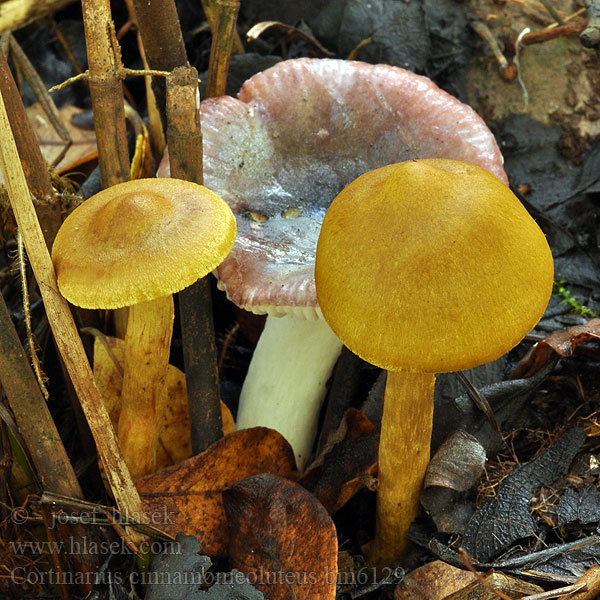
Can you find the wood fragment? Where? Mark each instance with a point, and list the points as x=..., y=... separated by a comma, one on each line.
x=551, y=33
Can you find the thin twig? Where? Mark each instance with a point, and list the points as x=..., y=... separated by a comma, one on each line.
x=30, y=421
x=28, y=148
x=162, y=38
x=518, y=65
x=481, y=401
x=226, y=343
x=483, y=31
x=157, y=133
x=552, y=32
x=64, y=45
x=125, y=72
x=42, y=95
x=469, y=565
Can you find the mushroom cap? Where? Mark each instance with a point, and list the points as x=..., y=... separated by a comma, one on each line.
x=431, y=265
x=141, y=240
x=297, y=134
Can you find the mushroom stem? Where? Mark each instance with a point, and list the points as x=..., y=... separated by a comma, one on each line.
x=285, y=385
x=143, y=395
x=404, y=450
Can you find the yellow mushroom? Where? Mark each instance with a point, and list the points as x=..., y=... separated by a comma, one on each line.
x=423, y=267
x=135, y=244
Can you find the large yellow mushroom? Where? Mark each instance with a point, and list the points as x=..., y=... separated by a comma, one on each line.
x=423, y=267
x=135, y=244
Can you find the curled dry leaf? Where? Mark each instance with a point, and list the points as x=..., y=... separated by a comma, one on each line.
x=81, y=150
x=457, y=464
x=434, y=581
x=455, y=468
x=563, y=342
x=284, y=542
x=347, y=461
x=189, y=494
x=175, y=444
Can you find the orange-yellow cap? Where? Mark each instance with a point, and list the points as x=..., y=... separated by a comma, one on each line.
x=141, y=240
x=431, y=265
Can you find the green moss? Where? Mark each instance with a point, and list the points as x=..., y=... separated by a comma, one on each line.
x=570, y=300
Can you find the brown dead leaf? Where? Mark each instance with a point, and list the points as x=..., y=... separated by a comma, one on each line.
x=563, y=342
x=434, y=581
x=457, y=463
x=175, y=442
x=285, y=542
x=347, y=461
x=190, y=493
x=455, y=467
x=84, y=140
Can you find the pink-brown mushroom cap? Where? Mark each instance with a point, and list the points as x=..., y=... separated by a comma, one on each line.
x=297, y=134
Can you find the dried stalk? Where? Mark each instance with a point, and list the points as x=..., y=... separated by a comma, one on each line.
x=62, y=324
x=33, y=419
x=184, y=136
x=210, y=9
x=41, y=94
x=104, y=63
x=157, y=134
x=15, y=14
x=34, y=165
x=225, y=17
x=161, y=35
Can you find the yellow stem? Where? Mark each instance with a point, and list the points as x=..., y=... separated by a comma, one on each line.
x=404, y=450
x=144, y=393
